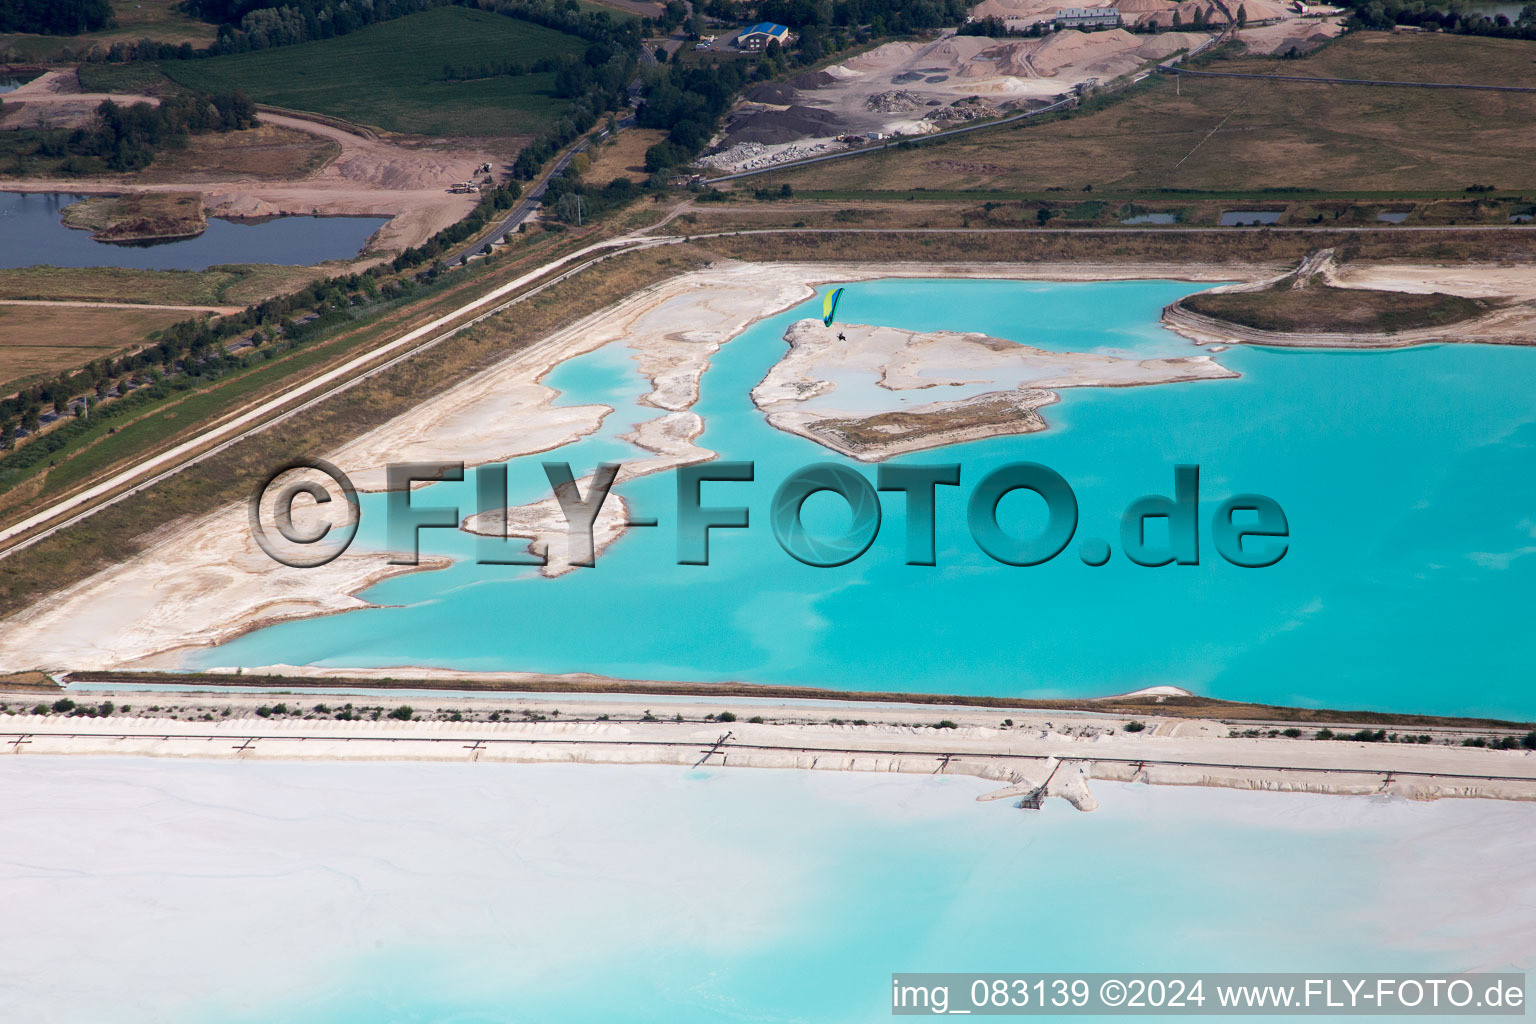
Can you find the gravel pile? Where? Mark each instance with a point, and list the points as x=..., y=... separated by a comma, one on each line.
x=896, y=101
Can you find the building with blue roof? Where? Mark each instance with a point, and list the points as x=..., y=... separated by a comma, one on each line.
x=760, y=35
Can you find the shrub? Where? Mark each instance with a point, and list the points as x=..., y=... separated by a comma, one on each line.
x=402, y=713
x=264, y=711
x=1324, y=734
x=756, y=720
x=63, y=705
x=725, y=716
x=1291, y=733
x=1134, y=726
x=945, y=724
x=1528, y=741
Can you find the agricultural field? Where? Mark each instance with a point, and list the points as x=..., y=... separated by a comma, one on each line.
x=391, y=75
x=160, y=20
x=37, y=342
x=1234, y=135
x=232, y=286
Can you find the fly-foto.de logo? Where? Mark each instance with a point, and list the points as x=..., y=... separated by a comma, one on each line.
x=307, y=513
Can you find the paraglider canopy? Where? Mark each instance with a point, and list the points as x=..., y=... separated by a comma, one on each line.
x=829, y=305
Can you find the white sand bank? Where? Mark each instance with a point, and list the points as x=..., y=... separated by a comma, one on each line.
x=849, y=386
x=1022, y=750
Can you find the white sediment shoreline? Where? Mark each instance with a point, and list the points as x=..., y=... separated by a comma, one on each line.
x=1031, y=753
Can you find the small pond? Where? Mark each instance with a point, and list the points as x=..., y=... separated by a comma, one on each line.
x=1242, y=218
x=32, y=233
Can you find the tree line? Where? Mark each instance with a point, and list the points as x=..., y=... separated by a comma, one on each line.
x=1453, y=16
x=498, y=69
x=126, y=138
x=55, y=17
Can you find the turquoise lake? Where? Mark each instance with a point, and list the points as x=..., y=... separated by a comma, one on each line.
x=219, y=892
x=1407, y=478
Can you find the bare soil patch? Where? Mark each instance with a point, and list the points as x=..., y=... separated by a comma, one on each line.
x=1320, y=308
x=271, y=152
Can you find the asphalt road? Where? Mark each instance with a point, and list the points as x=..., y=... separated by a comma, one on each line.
x=532, y=198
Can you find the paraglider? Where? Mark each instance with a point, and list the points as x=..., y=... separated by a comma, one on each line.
x=829, y=305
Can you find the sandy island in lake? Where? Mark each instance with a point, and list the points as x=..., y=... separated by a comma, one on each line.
x=844, y=386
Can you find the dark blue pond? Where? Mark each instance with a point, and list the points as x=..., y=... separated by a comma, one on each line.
x=32, y=234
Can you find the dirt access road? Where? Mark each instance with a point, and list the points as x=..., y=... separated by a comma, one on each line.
x=368, y=177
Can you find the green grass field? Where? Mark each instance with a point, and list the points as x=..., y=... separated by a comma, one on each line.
x=1234, y=136
x=389, y=75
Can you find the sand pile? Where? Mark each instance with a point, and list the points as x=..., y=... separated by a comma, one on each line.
x=1264, y=10
x=949, y=53
x=1258, y=10
x=238, y=205
x=419, y=170
x=1071, y=48
x=1006, y=59
x=1164, y=43
x=1281, y=38
x=1027, y=10
x=882, y=57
